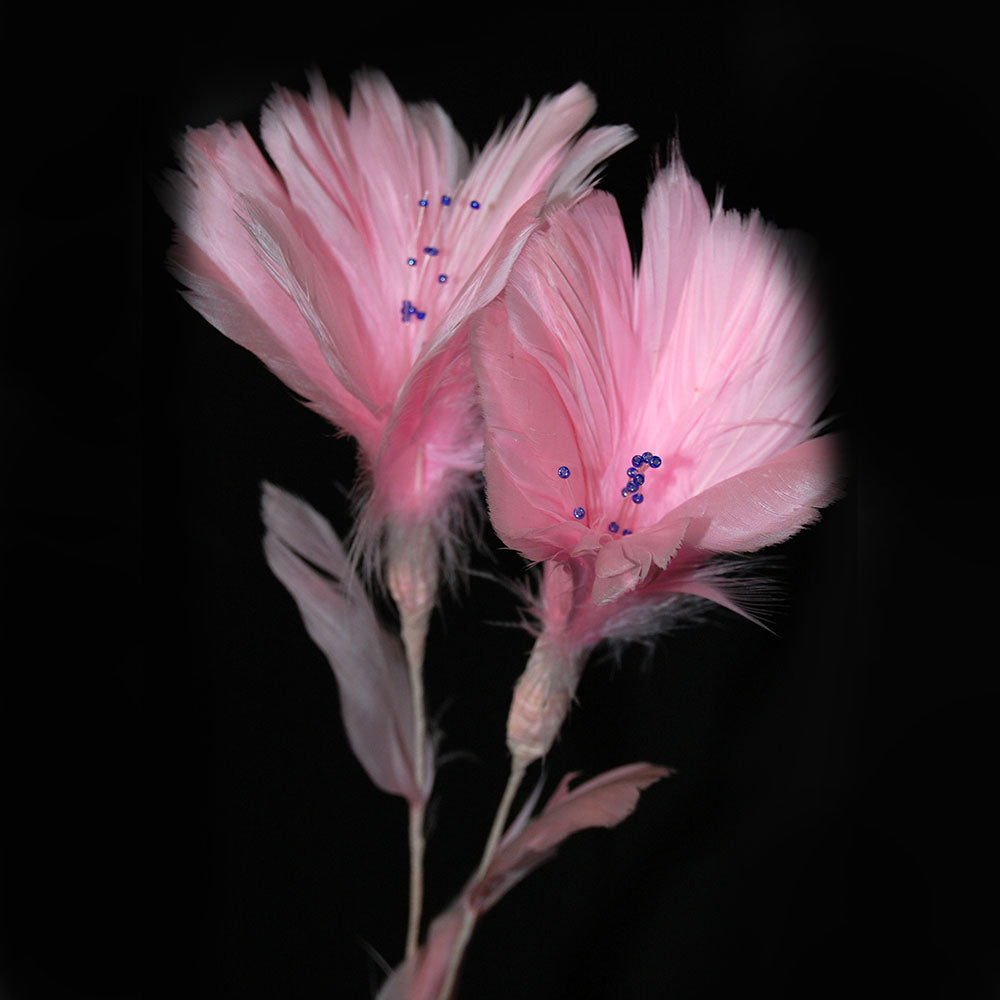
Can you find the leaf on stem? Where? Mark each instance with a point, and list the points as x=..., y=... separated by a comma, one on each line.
x=375, y=698
x=603, y=801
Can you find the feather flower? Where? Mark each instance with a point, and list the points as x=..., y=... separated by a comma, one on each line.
x=351, y=269
x=640, y=423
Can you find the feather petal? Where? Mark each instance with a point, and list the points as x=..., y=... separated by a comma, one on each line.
x=766, y=504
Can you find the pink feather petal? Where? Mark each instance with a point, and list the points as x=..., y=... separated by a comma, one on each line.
x=624, y=563
x=766, y=504
x=218, y=262
x=369, y=664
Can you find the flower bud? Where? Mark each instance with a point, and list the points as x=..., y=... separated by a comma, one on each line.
x=412, y=577
x=542, y=698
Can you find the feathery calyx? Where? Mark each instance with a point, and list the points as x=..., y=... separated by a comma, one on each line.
x=640, y=423
x=351, y=269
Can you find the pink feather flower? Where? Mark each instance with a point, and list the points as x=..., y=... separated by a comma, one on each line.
x=641, y=422
x=351, y=269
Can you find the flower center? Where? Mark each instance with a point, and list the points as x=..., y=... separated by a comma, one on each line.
x=432, y=221
x=636, y=479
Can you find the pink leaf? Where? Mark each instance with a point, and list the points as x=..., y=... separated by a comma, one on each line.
x=603, y=801
x=368, y=662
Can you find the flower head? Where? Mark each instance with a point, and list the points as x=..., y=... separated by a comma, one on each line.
x=640, y=423
x=352, y=267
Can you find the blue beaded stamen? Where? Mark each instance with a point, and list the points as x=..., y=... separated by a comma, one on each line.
x=412, y=261
x=473, y=204
x=442, y=278
x=579, y=513
x=636, y=479
x=408, y=310
x=423, y=202
x=563, y=472
x=627, y=531
x=445, y=199
x=431, y=251
x=613, y=527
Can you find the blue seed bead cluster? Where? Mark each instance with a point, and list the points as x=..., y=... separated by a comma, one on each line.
x=408, y=310
x=636, y=478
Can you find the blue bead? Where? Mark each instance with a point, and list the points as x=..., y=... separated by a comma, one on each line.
x=579, y=513
x=631, y=472
x=655, y=462
x=624, y=491
x=613, y=527
x=442, y=278
x=630, y=487
x=473, y=204
x=563, y=472
x=431, y=251
x=638, y=479
x=421, y=315
x=445, y=199
x=637, y=498
x=411, y=261
x=638, y=461
x=627, y=531
x=423, y=202
x=646, y=456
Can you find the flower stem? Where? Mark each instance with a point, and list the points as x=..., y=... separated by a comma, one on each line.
x=412, y=576
x=518, y=765
x=414, y=635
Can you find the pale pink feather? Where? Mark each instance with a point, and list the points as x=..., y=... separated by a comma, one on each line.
x=368, y=662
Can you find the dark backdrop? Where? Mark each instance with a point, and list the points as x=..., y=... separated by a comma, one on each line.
x=186, y=815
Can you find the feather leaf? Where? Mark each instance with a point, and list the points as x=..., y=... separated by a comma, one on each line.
x=368, y=663
x=603, y=801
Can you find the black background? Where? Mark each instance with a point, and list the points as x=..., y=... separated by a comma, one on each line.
x=185, y=815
